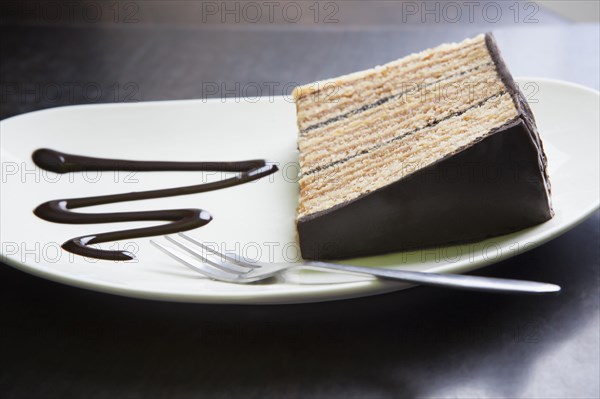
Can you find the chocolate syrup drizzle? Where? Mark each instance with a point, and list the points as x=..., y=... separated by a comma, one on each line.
x=59, y=211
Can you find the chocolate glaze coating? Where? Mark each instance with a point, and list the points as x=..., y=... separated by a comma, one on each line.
x=495, y=186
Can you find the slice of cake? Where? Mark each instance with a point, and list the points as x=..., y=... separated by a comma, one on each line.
x=436, y=148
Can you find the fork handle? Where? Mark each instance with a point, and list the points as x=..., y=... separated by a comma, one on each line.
x=458, y=281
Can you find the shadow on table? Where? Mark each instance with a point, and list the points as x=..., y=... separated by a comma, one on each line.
x=67, y=342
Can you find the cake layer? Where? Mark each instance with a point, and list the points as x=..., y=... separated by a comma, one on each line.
x=425, y=107
x=392, y=160
x=327, y=99
x=414, y=90
x=427, y=99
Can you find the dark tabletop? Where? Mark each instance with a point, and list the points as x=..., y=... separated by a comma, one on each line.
x=60, y=341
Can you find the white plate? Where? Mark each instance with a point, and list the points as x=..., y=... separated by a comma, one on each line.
x=255, y=218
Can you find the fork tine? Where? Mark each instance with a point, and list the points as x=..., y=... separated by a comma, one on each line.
x=219, y=264
x=244, y=263
x=208, y=270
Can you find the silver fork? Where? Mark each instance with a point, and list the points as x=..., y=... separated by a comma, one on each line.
x=221, y=267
